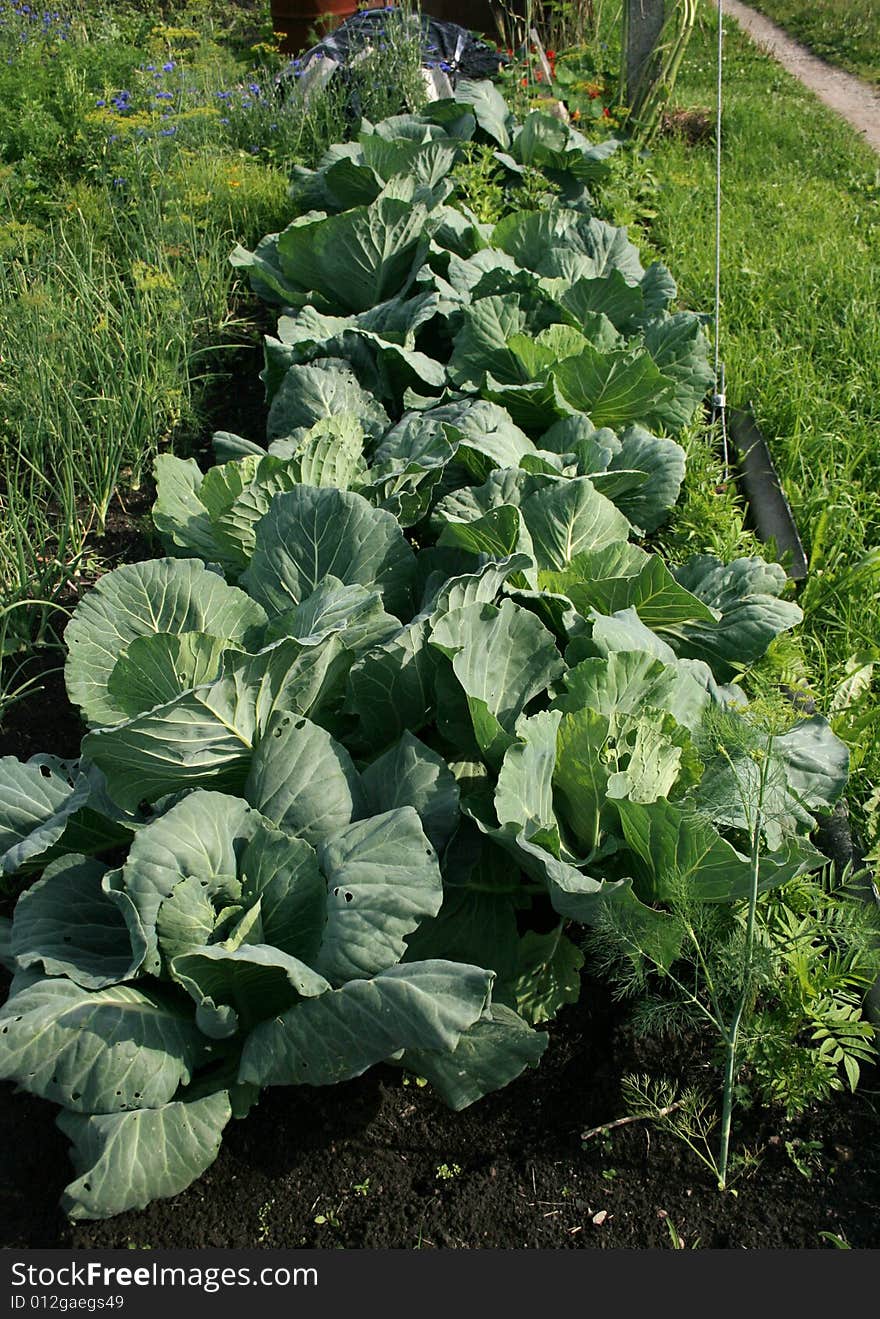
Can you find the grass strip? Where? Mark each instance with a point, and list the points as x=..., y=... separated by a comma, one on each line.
x=801, y=339
x=844, y=32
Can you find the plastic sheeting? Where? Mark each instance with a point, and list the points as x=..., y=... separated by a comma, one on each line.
x=449, y=51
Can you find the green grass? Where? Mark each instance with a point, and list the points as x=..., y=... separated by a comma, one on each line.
x=844, y=32
x=800, y=327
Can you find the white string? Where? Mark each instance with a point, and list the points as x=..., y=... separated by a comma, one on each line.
x=719, y=400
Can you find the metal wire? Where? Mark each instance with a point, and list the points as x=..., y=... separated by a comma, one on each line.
x=719, y=399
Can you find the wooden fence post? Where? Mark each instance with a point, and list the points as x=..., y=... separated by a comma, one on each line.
x=644, y=23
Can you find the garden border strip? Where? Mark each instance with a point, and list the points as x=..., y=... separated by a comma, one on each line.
x=847, y=95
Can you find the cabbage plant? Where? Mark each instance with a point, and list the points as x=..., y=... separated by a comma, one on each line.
x=407, y=702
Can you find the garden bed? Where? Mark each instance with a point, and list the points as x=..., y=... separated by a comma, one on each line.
x=367, y=1159
x=449, y=724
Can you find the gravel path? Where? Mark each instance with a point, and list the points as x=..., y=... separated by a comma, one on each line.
x=858, y=103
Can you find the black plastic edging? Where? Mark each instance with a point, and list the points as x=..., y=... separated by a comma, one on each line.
x=761, y=487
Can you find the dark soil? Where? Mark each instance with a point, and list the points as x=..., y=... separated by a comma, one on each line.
x=379, y=1162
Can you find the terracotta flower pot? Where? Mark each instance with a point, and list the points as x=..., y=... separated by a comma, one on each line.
x=299, y=19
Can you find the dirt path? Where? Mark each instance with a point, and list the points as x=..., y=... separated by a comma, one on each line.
x=858, y=103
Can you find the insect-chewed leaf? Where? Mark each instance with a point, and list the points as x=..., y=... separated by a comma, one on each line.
x=98, y=1051
x=383, y=879
x=125, y=1160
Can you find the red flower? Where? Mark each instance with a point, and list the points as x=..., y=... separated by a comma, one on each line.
x=551, y=54
x=606, y=113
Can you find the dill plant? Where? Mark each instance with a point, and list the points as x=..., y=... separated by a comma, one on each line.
x=777, y=979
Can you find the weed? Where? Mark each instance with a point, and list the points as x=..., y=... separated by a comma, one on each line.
x=480, y=182
x=264, y=1226
x=806, y=1155
x=329, y=1219
x=837, y=1241
x=678, y=1241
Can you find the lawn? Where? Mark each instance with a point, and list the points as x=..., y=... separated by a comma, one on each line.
x=844, y=32
x=800, y=326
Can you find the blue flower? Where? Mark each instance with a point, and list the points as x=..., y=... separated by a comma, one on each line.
x=224, y=121
x=100, y=104
x=164, y=96
x=223, y=96
x=119, y=183
x=167, y=132
x=255, y=88
x=149, y=68
x=166, y=68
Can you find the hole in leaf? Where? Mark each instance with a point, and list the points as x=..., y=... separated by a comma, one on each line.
x=348, y=897
x=45, y=771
